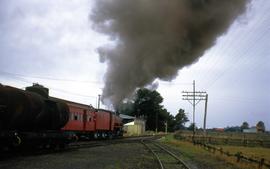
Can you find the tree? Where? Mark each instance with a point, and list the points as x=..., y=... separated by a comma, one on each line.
x=191, y=126
x=147, y=104
x=180, y=119
x=126, y=108
x=171, y=123
x=232, y=129
x=260, y=126
x=245, y=125
x=166, y=117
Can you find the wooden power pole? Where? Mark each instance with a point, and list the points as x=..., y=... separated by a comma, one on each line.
x=194, y=97
x=205, y=113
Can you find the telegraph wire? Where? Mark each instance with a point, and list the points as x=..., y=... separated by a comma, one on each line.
x=52, y=88
x=237, y=59
x=49, y=78
x=232, y=66
x=79, y=81
x=238, y=39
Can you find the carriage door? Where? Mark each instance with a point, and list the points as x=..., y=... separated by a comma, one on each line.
x=84, y=119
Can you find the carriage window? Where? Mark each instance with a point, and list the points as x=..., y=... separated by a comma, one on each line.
x=88, y=117
x=75, y=117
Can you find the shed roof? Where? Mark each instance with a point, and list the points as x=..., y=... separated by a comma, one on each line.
x=84, y=106
x=124, y=116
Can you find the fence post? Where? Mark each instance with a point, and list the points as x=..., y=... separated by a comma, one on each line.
x=261, y=164
x=245, y=142
x=238, y=156
x=221, y=151
x=226, y=140
x=261, y=142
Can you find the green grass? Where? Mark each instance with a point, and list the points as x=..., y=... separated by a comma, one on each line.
x=232, y=135
x=229, y=138
x=198, y=156
x=254, y=152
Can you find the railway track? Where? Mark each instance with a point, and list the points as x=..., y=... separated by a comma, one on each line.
x=32, y=151
x=165, y=158
x=87, y=144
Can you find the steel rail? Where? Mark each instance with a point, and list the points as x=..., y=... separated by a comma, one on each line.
x=173, y=155
x=95, y=143
x=180, y=161
x=158, y=159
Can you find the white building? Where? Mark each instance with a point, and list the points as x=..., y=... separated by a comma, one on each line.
x=136, y=127
x=250, y=130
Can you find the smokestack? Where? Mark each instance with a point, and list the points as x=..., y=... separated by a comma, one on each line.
x=155, y=38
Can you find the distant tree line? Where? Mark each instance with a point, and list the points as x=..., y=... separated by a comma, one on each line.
x=260, y=127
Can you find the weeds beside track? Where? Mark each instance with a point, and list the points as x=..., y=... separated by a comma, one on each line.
x=87, y=144
x=165, y=157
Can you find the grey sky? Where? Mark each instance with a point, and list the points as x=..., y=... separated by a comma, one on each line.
x=54, y=40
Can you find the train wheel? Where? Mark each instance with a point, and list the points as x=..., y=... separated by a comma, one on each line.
x=103, y=135
x=76, y=138
x=96, y=135
x=110, y=135
x=17, y=141
x=62, y=145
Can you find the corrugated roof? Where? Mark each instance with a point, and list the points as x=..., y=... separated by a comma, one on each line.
x=85, y=106
x=124, y=116
x=129, y=124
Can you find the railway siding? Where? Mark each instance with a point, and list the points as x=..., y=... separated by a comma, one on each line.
x=128, y=155
x=166, y=159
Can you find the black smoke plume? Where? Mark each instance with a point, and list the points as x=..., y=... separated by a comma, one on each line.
x=155, y=38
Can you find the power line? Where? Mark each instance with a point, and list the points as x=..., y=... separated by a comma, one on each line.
x=73, y=80
x=174, y=83
x=51, y=88
x=233, y=65
x=49, y=78
x=260, y=21
x=72, y=93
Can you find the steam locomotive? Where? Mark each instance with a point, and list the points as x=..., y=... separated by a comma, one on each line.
x=32, y=117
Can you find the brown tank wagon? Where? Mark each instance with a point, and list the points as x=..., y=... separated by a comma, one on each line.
x=30, y=109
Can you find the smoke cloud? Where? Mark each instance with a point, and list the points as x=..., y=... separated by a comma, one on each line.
x=155, y=38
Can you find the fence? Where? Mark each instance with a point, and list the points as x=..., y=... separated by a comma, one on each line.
x=239, y=156
x=262, y=136
x=237, y=141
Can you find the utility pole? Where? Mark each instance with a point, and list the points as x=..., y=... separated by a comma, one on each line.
x=156, y=122
x=99, y=101
x=166, y=127
x=205, y=113
x=194, y=128
x=194, y=97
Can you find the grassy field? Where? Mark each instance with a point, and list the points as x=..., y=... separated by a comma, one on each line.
x=197, y=156
x=254, y=152
x=233, y=135
x=228, y=138
x=206, y=159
